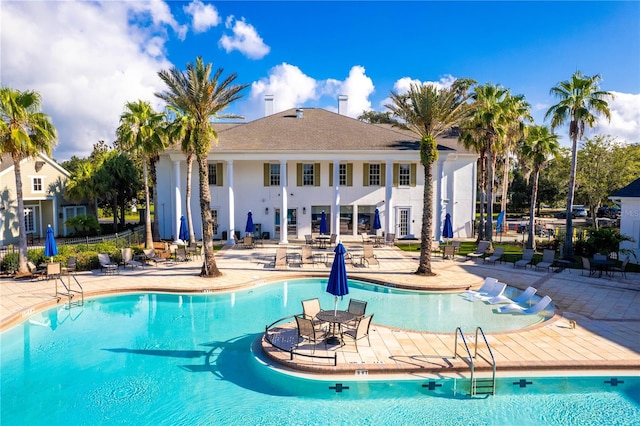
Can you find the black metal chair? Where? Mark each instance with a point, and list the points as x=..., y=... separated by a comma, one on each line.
x=307, y=331
x=357, y=308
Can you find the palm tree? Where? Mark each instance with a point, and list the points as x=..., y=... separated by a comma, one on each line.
x=25, y=132
x=581, y=102
x=141, y=129
x=539, y=145
x=489, y=123
x=201, y=96
x=429, y=111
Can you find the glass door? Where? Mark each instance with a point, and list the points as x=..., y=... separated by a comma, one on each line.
x=403, y=222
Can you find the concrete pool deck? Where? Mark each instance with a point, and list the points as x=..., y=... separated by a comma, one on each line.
x=606, y=312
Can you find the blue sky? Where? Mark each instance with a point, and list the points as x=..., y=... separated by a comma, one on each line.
x=88, y=58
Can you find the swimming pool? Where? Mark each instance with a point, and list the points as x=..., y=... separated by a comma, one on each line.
x=188, y=359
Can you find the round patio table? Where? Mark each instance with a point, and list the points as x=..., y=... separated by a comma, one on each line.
x=335, y=318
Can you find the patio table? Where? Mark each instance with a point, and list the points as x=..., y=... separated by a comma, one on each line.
x=335, y=318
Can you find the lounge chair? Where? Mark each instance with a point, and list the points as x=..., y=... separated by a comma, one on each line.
x=106, y=265
x=369, y=256
x=512, y=308
x=483, y=246
x=360, y=331
x=150, y=254
x=496, y=290
x=522, y=299
x=307, y=256
x=307, y=331
x=35, y=272
x=527, y=258
x=484, y=288
x=280, y=260
x=127, y=259
x=365, y=238
x=548, y=257
x=496, y=256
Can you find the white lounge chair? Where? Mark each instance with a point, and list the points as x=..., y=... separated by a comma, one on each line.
x=512, y=308
x=496, y=290
x=522, y=299
x=484, y=288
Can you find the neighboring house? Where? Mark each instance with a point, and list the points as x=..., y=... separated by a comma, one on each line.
x=43, y=182
x=288, y=167
x=629, y=200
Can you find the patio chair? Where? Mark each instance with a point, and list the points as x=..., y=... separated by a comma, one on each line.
x=193, y=250
x=248, y=242
x=54, y=270
x=622, y=268
x=280, y=260
x=307, y=331
x=586, y=266
x=448, y=252
x=484, y=288
x=527, y=258
x=70, y=268
x=369, y=256
x=435, y=247
x=483, y=246
x=307, y=256
x=150, y=254
x=390, y=239
x=181, y=255
x=308, y=240
x=365, y=238
x=106, y=265
x=357, y=308
x=496, y=256
x=360, y=331
x=512, y=308
x=35, y=272
x=456, y=246
x=332, y=239
x=548, y=257
x=522, y=299
x=311, y=308
x=127, y=258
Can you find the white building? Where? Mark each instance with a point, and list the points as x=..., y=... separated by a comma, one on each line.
x=288, y=167
x=629, y=200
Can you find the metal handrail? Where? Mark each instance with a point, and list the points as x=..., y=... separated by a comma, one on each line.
x=291, y=351
x=493, y=360
x=455, y=351
x=70, y=292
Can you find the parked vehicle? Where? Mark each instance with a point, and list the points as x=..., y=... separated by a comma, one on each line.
x=576, y=211
x=610, y=212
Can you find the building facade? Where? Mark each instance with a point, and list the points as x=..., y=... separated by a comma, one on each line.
x=289, y=167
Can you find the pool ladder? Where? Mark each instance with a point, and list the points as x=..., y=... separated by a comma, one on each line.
x=69, y=291
x=485, y=386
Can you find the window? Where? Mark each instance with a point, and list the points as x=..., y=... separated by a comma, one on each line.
x=37, y=184
x=343, y=174
x=374, y=174
x=214, y=221
x=404, y=175
x=215, y=174
x=307, y=175
x=274, y=174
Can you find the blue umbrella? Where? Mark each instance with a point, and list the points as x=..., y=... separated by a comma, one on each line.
x=184, y=229
x=338, y=284
x=447, y=229
x=50, y=247
x=500, y=221
x=376, y=220
x=323, y=223
x=249, y=228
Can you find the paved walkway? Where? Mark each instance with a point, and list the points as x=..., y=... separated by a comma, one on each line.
x=606, y=311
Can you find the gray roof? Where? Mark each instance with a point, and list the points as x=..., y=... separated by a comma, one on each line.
x=318, y=130
x=631, y=190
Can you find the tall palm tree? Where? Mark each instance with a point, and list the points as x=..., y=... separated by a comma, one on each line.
x=539, y=145
x=581, y=102
x=25, y=131
x=429, y=111
x=489, y=122
x=472, y=137
x=142, y=129
x=201, y=95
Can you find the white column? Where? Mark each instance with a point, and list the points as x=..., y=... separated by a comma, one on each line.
x=389, y=220
x=335, y=207
x=354, y=230
x=285, y=205
x=440, y=206
x=175, y=225
x=232, y=203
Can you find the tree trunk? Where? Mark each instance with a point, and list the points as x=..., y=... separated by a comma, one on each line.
x=192, y=234
x=22, y=236
x=147, y=205
x=532, y=209
x=209, y=267
x=568, y=238
x=483, y=179
x=154, y=186
x=427, y=159
x=505, y=187
x=489, y=183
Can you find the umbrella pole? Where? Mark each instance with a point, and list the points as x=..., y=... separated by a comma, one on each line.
x=335, y=306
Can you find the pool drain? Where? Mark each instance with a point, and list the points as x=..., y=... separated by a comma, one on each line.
x=523, y=383
x=338, y=387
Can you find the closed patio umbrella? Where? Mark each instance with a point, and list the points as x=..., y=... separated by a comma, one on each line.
x=338, y=284
x=447, y=228
x=249, y=228
x=184, y=229
x=50, y=247
x=376, y=220
x=500, y=222
x=323, y=223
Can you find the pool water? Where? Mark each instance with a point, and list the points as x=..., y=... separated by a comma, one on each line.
x=191, y=359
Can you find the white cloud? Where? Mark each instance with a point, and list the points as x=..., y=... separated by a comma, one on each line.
x=203, y=16
x=402, y=86
x=159, y=11
x=357, y=86
x=86, y=59
x=625, y=118
x=245, y=39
